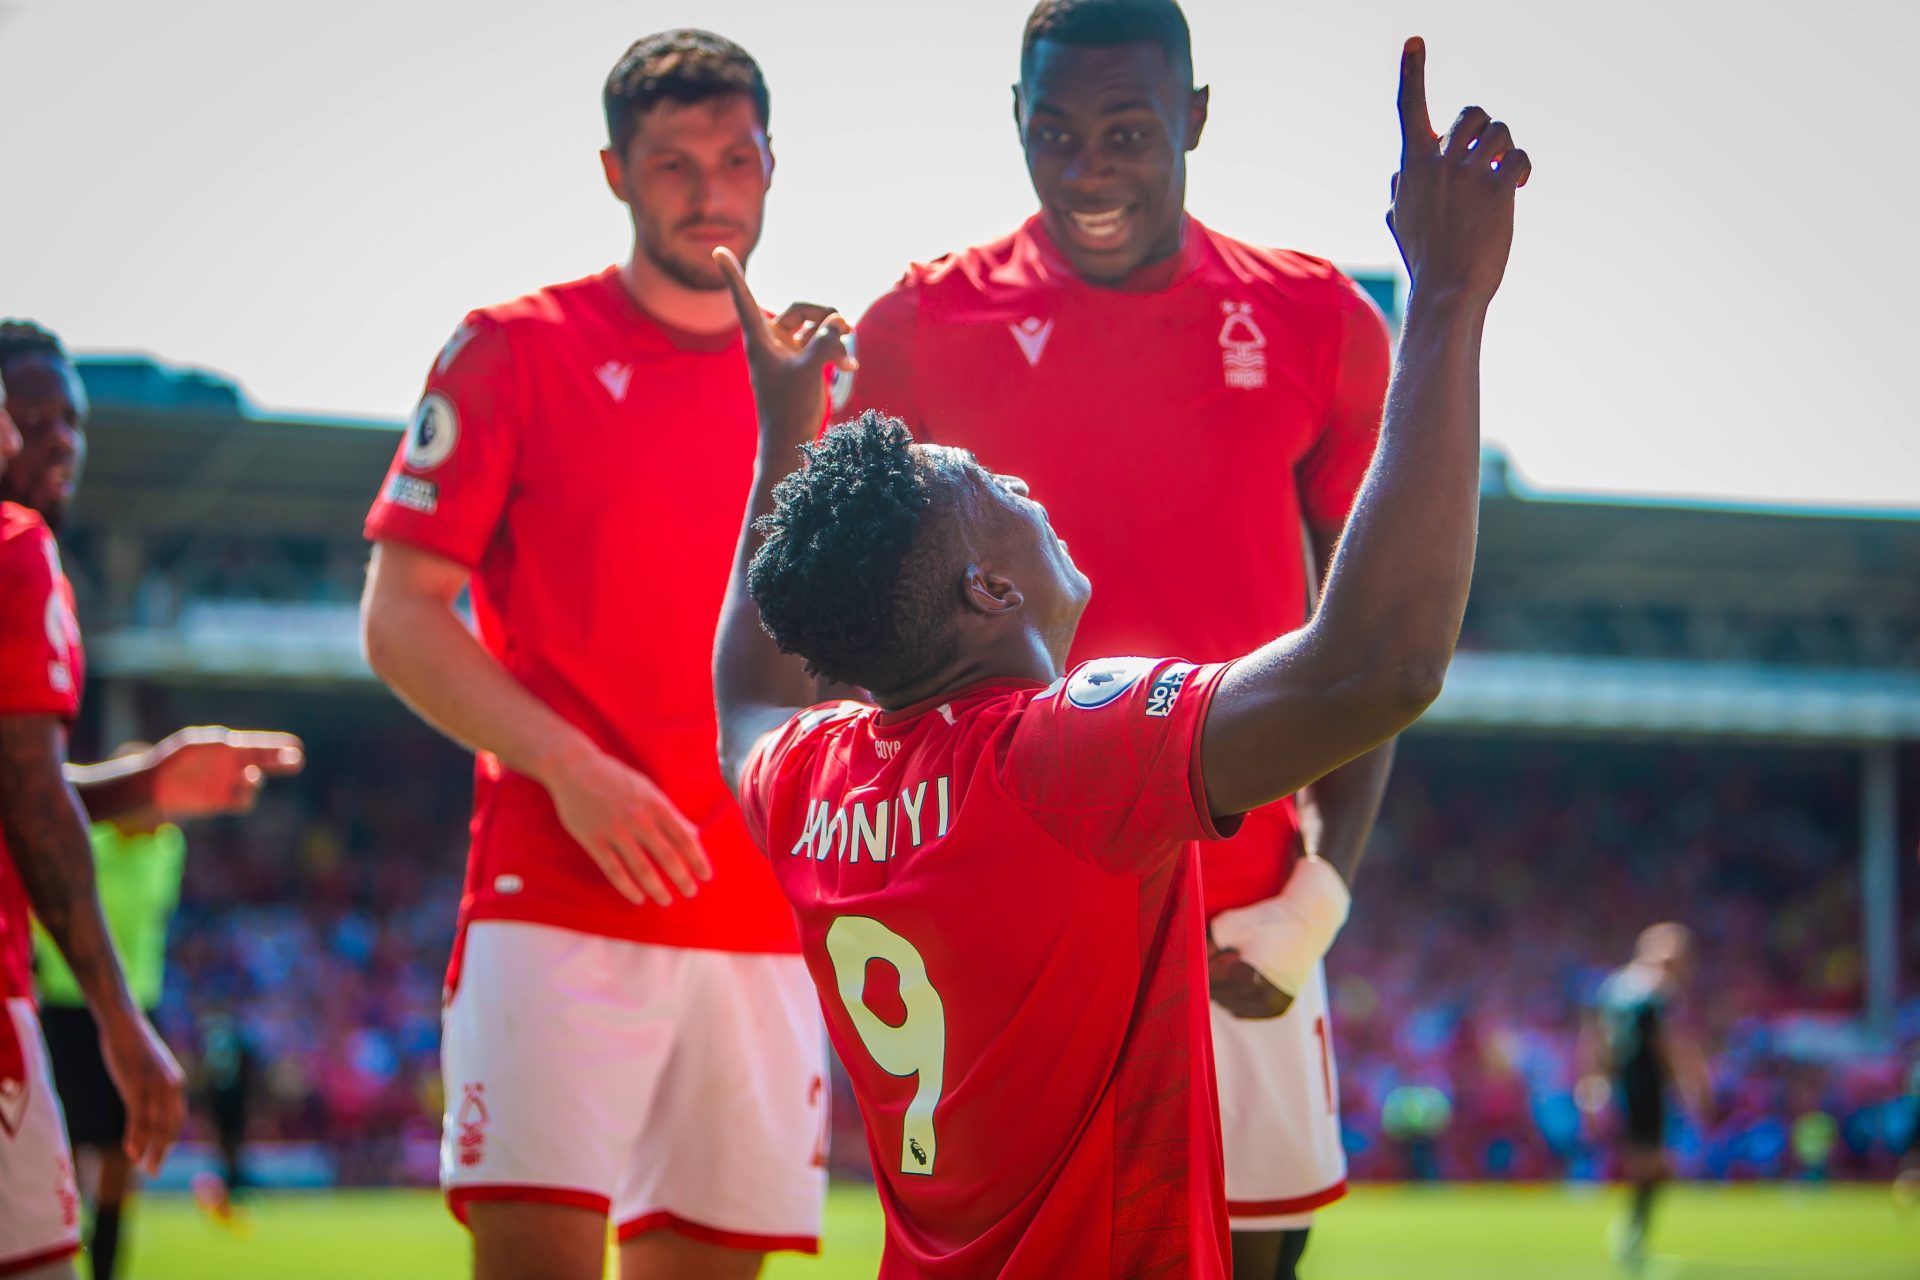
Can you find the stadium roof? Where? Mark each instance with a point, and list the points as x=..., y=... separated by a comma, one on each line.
x=1588, y=612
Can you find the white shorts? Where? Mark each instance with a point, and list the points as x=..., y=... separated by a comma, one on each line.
x=662, y=1086
x=1280, y=1113
x=39, y=1201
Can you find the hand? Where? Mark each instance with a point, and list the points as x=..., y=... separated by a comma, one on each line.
x=1237, y=986
x=150, y=1084
x=788, y=359
x=209, y=769
x=1452, y=209
x=629, y=828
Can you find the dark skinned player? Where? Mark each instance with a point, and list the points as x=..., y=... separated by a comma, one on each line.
x=1092, y=352
x=46, y=861
x=994, y=865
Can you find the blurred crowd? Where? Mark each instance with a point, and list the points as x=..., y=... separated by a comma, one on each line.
x=1508, y=879
x=1505, y=881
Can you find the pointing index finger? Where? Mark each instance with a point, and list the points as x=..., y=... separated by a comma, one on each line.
x=1416, y=128
x=752, y=323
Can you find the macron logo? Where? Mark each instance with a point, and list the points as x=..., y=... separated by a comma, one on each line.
x=615, y=376
x=1032, y=336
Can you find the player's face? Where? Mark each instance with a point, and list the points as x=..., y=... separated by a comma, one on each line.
x=1038, y=561
x=695, y=176
x=1106, y=133
x=48, y=406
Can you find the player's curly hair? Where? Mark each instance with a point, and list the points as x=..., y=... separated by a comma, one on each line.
x=25, y=338
x=1102, y=24
x=684, y=65
x=859, y=572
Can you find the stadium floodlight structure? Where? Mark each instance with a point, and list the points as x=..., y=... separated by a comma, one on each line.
x=1623, y=619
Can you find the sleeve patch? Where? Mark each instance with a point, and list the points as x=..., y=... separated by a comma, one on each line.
x=1165, y=691
x=432, y=433
x=413, y=493
x=1097, y=683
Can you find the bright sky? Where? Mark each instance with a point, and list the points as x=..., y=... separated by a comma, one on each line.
x=1708, y=296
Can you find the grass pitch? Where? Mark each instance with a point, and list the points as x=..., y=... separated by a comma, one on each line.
x=1379, y=1233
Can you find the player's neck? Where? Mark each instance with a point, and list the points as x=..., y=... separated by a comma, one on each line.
x=700, y=311
x=1026, y=659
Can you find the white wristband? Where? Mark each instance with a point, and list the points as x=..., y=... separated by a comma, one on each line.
x=1284, y=938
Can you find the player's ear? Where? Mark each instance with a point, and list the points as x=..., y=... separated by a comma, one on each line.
x=766, y=149
x=990, y=593
x=611, y=166
x=1019, y=117
x=1197, y=115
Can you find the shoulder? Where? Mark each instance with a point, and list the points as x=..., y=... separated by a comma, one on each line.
x=527, y=320
x=961, y=280
x=813, y=730
x=1297, y=280
x=24, y=539
x=490, y=341
x=553, y=306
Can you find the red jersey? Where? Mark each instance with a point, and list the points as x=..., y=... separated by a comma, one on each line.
x=590, y=466
x=42, y=669
x=1180, y=431
x=999, y=902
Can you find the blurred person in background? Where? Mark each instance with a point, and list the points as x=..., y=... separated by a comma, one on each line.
x=46, y=859
x=138, y=860
x=1641, y=1050
x=229, y=1069
x=622, y=1040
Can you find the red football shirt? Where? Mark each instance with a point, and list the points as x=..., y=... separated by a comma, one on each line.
x=999, y=903
x=42, y=669
x=591, y=467
x=1179, y=431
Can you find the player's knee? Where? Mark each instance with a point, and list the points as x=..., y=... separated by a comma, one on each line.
x=665, y=1254
x=1257, y=1254
x=525, y=1241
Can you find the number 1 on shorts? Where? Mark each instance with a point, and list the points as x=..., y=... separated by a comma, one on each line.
x=917, y=1047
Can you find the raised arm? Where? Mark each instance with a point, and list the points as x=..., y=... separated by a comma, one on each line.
x=756, y=688
x=46, y=836
x=1376, y=650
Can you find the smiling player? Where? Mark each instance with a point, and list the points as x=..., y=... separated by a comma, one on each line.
x=1198, y=411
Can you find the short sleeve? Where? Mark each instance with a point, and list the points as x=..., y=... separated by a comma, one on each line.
x=451, y=474
x=39, y=638
x=1108, y=760
x=1330, y=474
x=778, y=754
x=883, y=341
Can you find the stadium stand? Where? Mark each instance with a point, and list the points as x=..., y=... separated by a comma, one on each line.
x=1661, y=710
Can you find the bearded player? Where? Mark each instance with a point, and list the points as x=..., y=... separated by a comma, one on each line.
x=629, y=1034
x=1081, y=353
x=995, y=867
x=46, y=862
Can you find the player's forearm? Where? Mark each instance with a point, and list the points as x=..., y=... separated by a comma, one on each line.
x=47, y=837
x=1337, y=811
x=426, y=655
x=1397, y=589
x=755, y=686
x=118, y=788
